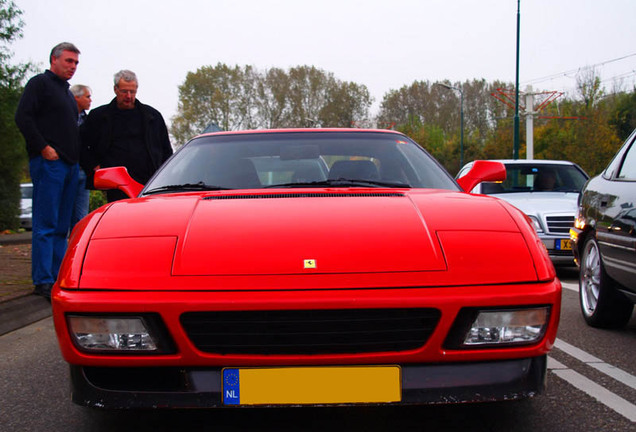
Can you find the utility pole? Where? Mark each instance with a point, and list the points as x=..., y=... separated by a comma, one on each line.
x=529, y=113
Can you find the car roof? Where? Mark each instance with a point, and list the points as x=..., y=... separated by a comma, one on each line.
x=527, y=161
x=269, y=131
x=534, y=161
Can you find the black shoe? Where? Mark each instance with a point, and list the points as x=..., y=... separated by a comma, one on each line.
x=43, y=290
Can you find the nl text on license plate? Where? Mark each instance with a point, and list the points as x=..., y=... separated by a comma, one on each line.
x=312, y=385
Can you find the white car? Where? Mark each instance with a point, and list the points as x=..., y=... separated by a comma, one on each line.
x=545, y=190
x=26, y=204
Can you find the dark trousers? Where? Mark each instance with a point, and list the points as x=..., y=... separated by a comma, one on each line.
x=54, y=188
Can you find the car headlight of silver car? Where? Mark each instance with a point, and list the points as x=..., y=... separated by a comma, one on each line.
x=119, y=334
x=536, y=224
x=481, y=328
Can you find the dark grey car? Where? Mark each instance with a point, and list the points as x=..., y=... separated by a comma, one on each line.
x=605, y=241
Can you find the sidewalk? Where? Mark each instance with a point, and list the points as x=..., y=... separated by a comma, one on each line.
x=18, y=307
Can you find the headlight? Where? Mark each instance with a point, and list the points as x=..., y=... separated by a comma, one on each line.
x=536, y=224
x=118, y=334
x=476, y=328
x=579, y=223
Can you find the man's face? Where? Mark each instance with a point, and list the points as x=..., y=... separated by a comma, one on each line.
x=125, y=93
x=84, y=101
x=65, y=65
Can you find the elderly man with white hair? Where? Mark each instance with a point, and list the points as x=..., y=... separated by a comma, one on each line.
x=126, y=133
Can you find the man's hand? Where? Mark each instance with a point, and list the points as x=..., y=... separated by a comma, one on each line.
x=49, y=153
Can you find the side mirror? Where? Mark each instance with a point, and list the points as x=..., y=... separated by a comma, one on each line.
x=482, y=171
x=117, y=178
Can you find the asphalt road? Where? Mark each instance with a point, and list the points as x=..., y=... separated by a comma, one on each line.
x=591, y=387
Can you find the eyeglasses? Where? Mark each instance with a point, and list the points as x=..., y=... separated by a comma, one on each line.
x=130, y=92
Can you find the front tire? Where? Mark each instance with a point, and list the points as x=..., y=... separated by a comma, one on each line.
x=601, y=303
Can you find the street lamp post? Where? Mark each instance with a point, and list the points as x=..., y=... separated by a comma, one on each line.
x=461, y=121
x=515, y=131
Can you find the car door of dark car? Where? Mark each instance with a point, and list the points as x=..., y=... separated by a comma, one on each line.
x=616, y=227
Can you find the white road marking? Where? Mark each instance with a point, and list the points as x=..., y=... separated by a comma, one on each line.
x=571, y=286
x=598, y=364
x=606, y=397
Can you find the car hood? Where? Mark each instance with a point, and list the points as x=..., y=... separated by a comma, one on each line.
x=536, y=203
x=309, y=233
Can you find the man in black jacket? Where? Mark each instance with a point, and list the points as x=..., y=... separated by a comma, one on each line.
x=47, y=117
x=126, y=133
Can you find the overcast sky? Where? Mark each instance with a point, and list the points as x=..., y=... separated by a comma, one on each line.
x=384, y=45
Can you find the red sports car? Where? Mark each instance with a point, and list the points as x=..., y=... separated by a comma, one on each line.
x=304, y=267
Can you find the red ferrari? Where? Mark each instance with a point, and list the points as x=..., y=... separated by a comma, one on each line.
x=304, y=267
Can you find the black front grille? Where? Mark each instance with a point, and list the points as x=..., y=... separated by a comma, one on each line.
x=309, y=332
x=560, y=224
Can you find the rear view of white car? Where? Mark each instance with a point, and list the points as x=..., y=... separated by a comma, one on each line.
x=545, y=190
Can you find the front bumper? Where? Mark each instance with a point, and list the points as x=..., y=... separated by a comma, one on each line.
x=575, y=237
x=184, y=387
x=559, y=253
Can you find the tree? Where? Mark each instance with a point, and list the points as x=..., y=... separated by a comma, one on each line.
x=347, y=104
x=272, y=95
x=579, y=132
x=623, y=114
x=13, y=155
x=243, y=98
x=308, y=95
x=424, y=104
x=588, y=83
x=220, y=94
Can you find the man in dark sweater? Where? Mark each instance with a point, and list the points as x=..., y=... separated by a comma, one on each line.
x=126, y=133
x=47, y=117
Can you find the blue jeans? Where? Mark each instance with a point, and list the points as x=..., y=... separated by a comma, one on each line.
x=82, y=198
x=54, y=188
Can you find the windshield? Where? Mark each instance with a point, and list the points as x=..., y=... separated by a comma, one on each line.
x=300, y=159
x=538, y=178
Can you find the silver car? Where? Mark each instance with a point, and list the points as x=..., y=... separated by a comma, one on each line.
x=545, y=190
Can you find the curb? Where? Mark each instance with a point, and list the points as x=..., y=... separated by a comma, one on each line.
x=22, y=311
x=20, y=238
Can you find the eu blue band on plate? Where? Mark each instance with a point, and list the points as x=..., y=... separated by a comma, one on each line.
x=231, y=387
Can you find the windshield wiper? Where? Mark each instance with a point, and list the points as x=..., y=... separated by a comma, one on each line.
x=341, y=182
x=186, y=187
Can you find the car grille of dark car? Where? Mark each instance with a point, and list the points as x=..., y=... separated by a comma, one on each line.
x=310, y=332
x=559, y=224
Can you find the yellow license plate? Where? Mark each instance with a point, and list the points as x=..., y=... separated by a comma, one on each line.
x=312, y=385
x=566, y=244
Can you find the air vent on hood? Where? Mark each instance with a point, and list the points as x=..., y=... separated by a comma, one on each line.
x=305, y=195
